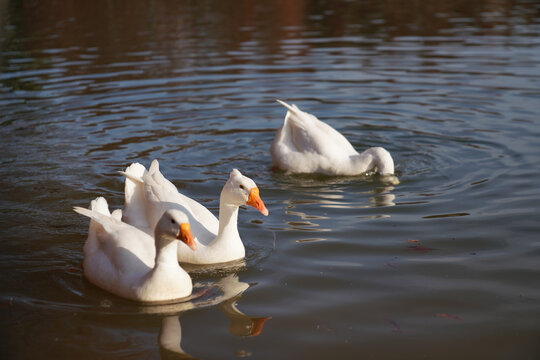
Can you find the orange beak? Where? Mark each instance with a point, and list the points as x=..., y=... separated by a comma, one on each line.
x=255, y=201
x=185, y=235
x=257, y=325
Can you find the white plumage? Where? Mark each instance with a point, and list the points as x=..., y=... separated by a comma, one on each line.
x=132, y=264
x=148, y=194
x=304, y=144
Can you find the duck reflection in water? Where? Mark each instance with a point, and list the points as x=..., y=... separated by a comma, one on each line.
x=241, y=324
x=382, y=196
x=170, y=334
x=306, y=214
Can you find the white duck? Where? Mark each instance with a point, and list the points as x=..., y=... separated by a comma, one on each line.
x=148, y=194
x=304, y=144
x=132, y=264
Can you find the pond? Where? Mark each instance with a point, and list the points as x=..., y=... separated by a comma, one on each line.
x=443, y=265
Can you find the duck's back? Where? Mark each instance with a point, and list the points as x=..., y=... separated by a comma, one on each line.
x=116, y=255
x=309, y=134
x=163, y=194
x=306, y=144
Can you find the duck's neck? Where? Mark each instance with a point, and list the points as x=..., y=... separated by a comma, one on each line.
x=166, y=252
x=229, y=308
x=170, y=334
x=228, y=218
x=374, y=158
x=167, y=280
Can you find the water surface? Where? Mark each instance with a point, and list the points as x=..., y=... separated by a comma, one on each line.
x=444, y=265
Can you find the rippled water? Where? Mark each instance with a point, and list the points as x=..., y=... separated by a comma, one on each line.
x=446, y=264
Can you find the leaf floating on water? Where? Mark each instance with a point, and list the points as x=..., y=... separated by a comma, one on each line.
x=323, y=328
x=395, y=326
x=420, y=248
x=448, y=316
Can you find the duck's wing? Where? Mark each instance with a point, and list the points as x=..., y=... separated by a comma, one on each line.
x=99, y=213
x=135, y=205
x=308, y=134
x=163, y=194
x=159, y=194
x=123, y=247
x=201, y=213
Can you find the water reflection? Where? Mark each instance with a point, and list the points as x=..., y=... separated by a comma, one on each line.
x=108, y=310
x=378, y=197
x=382, y=196
x=230, y=292
x=170, y=339
x=170, y=334
x=308, y=222
x=241, y=324
x=307, y=211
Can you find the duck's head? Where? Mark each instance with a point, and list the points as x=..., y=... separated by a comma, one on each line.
x=241, y=190
x=174, y=225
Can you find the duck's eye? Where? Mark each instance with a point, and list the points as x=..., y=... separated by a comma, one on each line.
x=172, y=221
x=242, y=187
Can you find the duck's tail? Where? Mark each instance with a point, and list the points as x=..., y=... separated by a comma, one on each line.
x=298, y=118
x=101, y=222
x=291, y=108
x=134, y=177
x=134, y=203
x=97, y=206
x=98, y=212
x=156, y=179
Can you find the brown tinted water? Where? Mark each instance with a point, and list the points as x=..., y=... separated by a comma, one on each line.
x=444, y=265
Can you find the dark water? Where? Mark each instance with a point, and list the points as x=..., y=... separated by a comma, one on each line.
x=444, y=265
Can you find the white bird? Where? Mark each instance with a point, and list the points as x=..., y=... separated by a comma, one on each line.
x=132, y=264
x=304, y=144
x=148, y=194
